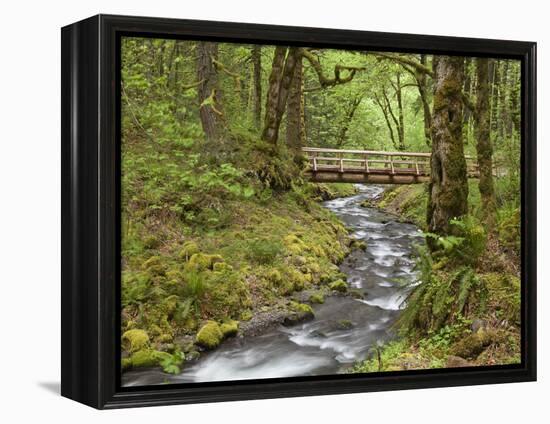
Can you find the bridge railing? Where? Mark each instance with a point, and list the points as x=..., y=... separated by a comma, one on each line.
x=374, y=162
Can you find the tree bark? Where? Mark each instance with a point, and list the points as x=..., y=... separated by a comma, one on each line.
x=421, y=80
x=448, y=190
x=347, y=120
x=295, y=131
x=210, y=109
x=257, y=84
x=483, y=144
x=282, y=71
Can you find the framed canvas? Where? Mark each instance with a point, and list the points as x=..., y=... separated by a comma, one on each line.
x=254, y=211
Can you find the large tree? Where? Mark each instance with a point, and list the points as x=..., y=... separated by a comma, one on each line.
x=295, y=125
x=209, y=93
x=282, y=72
x=483, y=143
x=448, y=189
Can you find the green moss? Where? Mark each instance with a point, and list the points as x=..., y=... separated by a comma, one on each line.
x=358, y=244
x=222, y=267
x=295, y=245
x=134, y=340
x=472, y=345
x=229, y=328
x=210, y=335
x=202, y=262
x=339, y=286
x=344, y=324
x=148, y=358
x=155, y=265
x=301, y=308
x=188, y=249
x=246, y=315
x=317, y=298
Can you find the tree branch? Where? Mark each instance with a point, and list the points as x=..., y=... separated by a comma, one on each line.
x=403, y=60
x=328, y=81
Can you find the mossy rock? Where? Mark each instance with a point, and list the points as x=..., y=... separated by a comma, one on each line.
x=155, y=265
x=298, y=260
x=188, y=249
x=210, y=335
x=295, y=245
x=151, y=242
x=472, y=345
x=274, y=276
x=229, y=328
x=344, y=324
x=358, y=244
x=339, y=286
x=246, y=315
x=134, y=340
x=202, y=262
x=147, y=358
x=301, y=308
x=222, y=267
x=300, y=312
x=317, y=298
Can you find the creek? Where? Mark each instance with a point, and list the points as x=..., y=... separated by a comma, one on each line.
x=344, y=330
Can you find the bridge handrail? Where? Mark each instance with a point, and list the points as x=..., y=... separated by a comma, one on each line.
x=369, y=152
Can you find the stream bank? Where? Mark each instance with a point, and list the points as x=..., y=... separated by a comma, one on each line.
x=345, y=329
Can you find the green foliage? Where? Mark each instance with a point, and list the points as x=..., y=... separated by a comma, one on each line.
x=263, y=251
x=467, y=243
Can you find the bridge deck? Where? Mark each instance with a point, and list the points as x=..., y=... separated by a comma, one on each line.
x=368, y=166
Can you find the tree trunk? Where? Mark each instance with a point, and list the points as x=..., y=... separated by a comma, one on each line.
x=209, y=93
x=282, y=72
x=448, y=190
x=347, y=120
x=421, y=80
x=257, y=84
x=401, y=122
x=483, y=145
x=295, y=133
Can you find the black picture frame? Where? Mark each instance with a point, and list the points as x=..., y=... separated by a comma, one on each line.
x=90, y=133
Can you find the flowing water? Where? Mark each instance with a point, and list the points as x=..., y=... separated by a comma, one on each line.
x=324, y=345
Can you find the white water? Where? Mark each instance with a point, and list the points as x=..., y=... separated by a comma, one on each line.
x=322, y=346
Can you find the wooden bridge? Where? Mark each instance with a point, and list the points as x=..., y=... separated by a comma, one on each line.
x=368, y=166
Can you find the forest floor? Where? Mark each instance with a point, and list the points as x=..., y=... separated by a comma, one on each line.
x=485, y=332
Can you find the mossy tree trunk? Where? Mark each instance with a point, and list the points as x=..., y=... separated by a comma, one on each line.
x=448, y=189
x=282, y=72
x=295, y=128
x=257, y=84
x=209, y=93
x=484, y=146
x=422, y=82
x=348, y=118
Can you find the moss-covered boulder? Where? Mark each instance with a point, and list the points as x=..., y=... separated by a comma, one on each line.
x=317, y=298
x=473, y=344
x=300, y=312
x=188, y=249
x=358, y=244
x=202, y=262
x=210, y=335
x=222, y=267
x=229, y=328
x=134, y=340
x=155, y=265
x=295, y=245
x=339, y=286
